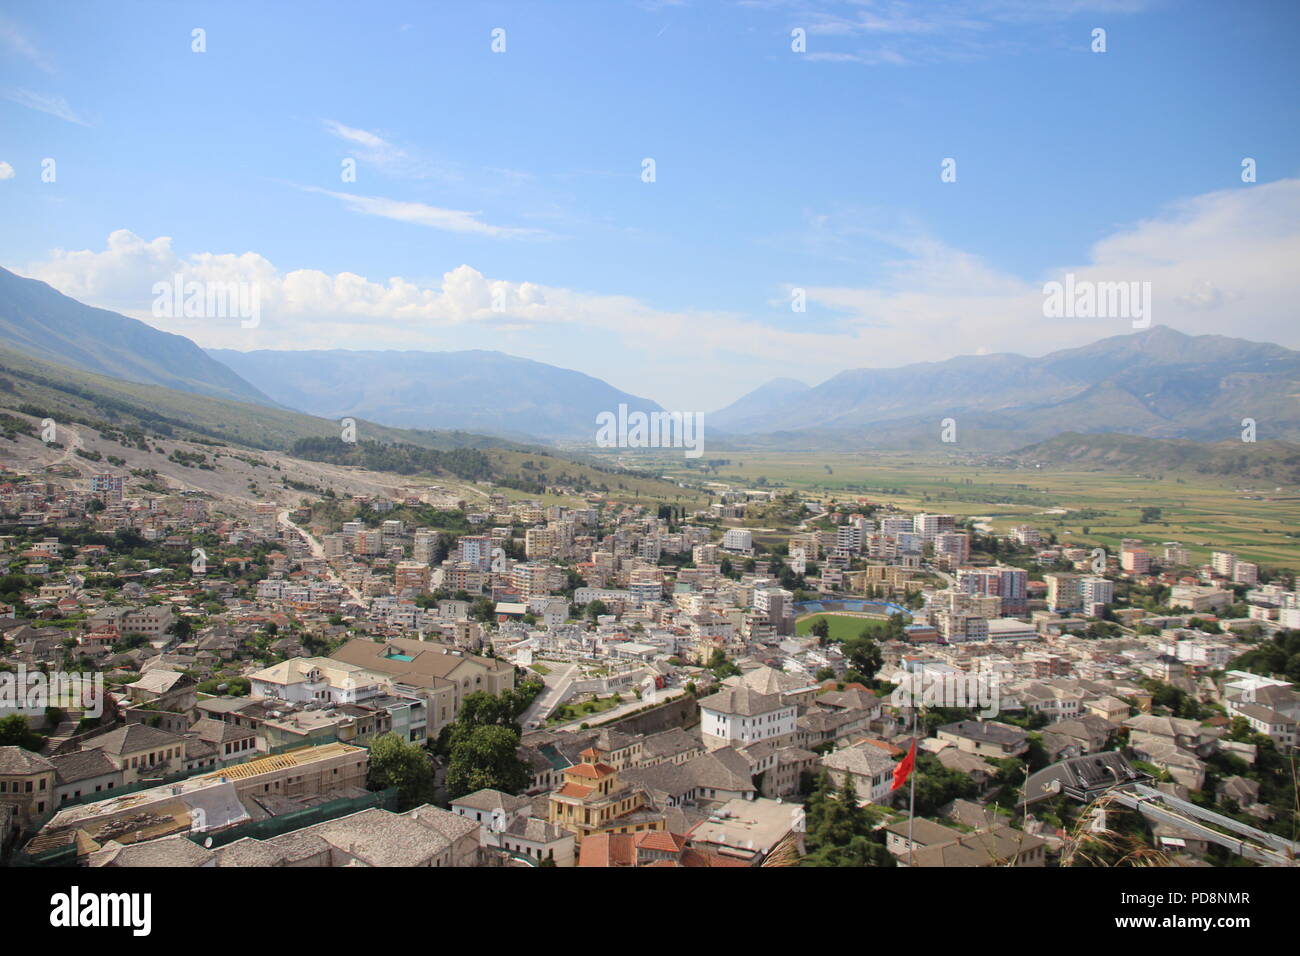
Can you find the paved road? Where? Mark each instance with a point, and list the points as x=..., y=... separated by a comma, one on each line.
x=952, y=582
x=557, y=684
x=318, y=551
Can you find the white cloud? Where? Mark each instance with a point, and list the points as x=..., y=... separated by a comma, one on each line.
x=657, y=351
x=1219, y=263
x=434, y=217
x=918, y=30
x=372, y=147
x=372, y=150
x=50, y=103
x=6, y=171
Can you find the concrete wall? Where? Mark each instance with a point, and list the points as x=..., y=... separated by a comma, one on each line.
x=680, y=712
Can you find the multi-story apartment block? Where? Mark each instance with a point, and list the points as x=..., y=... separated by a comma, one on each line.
x=475, y=550
x=107, y=488
x=539, y=543
x=738, y=539
x=1063, y=593
x=1094, y=592
x=1245, y=572
x=1026, y=536
x=536, y=580
x=413, y=575
x=1135, y=560
x=952, y=547
x=1223, y=562
x=928, y=525
x=368, y=542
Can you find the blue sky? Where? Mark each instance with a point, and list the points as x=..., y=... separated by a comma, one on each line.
x=520, y=172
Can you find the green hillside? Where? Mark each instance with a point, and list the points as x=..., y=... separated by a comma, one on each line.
x=44, y=390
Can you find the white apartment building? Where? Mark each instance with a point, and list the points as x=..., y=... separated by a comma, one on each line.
x=928, y=525
x=738, y=539
x=1096, y=590
x=1196, y=650
x=303, y=680
x=1245, y=572
x=1026, y=536
x=1223, y=562
x=738, y=715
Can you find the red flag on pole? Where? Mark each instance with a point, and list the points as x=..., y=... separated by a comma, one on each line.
x=904, y=768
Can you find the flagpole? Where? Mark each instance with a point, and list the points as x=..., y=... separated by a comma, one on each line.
x=911, y=800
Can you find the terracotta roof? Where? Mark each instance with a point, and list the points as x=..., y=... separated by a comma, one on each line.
x=695, y=857
x=607, y=849
x=574, y=790
x=660, y=840
x=593, y=770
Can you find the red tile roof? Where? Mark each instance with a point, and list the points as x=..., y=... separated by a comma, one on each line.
x=593, y=770
x=575, y=790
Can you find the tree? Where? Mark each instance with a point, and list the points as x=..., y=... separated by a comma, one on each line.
x=839, y=831
x=864, y=655
x=485, y=757
x=821, y=630
x=395, y=762
x=14, y=732
x=937, y=786
x=481, y=709
x=482, y=610
x=722, y=667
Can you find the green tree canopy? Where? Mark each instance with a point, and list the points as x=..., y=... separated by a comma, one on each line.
x=485, y=756
x=395, y=762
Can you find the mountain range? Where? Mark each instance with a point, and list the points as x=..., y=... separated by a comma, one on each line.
x=1157, y=383
x=474, y=390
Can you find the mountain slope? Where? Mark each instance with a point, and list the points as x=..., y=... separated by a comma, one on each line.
x=749, y=411
x=129, y=414
x=1275, y=462
x=476, y=390
x=41, y=322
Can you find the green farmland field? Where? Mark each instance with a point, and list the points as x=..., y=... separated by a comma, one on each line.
x=1086, y=508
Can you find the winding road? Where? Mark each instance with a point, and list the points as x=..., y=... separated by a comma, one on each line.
x=318, y=551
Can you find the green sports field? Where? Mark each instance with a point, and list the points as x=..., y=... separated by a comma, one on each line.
x=843, y=626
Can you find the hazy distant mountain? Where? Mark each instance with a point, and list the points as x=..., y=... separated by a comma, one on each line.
x=749, y=412
x=473, y=390
x=1158, y=383
x=46, y=324
x=130, y=419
